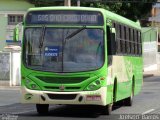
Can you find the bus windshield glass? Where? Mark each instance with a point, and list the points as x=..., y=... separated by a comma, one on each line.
x=82, y=52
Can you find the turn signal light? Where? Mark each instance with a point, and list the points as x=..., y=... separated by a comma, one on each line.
x=102, y=78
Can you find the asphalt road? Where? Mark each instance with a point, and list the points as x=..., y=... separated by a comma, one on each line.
x=146, y=103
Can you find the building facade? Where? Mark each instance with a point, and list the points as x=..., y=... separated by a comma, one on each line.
x=11, y=13
x=150, y=48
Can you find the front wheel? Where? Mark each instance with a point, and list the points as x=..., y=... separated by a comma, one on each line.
x=106, y=110
x=42, y=109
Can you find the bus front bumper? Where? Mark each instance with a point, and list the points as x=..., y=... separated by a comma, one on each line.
x=97, y=97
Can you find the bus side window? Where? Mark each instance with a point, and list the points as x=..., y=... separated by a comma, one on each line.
x=111, y=43
x=109, y=40
x=109, y=46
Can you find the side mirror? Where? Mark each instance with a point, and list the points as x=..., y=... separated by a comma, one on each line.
x=113, y=41
x=17, y=31
x=16, y=34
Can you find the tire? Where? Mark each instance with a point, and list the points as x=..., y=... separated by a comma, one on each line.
x=106, y=110
x=129, y=101
x=42, y=109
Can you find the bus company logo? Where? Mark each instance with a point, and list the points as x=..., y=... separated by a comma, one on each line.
x=62, y=87
x=46, y=48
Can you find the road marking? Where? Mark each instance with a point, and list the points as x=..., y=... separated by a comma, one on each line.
x=148, y=111
x=23, y=112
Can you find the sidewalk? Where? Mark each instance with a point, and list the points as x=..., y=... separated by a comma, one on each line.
x=17, y=88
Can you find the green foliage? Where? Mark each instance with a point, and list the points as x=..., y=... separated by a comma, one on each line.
x=44, y=3
x=133, y=11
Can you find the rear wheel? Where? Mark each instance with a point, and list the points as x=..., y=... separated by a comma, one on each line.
x=129, y=101
x=106, y=110
x=42, y=109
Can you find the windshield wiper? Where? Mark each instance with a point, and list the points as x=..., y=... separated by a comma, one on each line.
x=75, y=33
x=67, y=38
x=41, y=41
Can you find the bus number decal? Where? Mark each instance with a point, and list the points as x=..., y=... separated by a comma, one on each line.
x=51, y=51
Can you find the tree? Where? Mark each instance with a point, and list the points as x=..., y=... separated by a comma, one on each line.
x=44, y=3
x=133, y=11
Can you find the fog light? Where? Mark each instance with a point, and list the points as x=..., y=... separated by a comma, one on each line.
x=28, y=96
x=98, y=82
x=93, y=97
x=33, y=86
x=92, y=87
x=27, y=81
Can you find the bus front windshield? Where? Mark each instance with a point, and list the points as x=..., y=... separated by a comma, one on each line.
x=47, y=49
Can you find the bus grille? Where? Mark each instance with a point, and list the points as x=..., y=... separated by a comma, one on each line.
x=62, y=96
x=57, y=88
x=61, y=80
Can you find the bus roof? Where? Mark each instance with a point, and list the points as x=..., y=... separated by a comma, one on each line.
x=67, y=8
x=122, y=20
x=106, y=13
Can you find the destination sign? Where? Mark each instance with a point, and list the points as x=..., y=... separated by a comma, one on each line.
x=65, y=17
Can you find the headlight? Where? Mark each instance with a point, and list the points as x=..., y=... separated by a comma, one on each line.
x=97, y=82
x=94, y=85
x=31, y=85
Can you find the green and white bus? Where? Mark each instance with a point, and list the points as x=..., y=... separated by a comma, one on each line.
x=80, y=56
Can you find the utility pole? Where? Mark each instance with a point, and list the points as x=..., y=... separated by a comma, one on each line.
x=67, y=2
x=79, y=3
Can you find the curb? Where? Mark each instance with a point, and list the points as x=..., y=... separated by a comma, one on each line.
x=148, y=75
x=9, y=88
